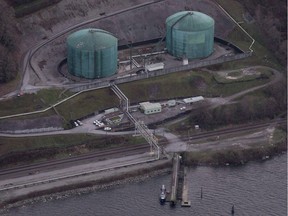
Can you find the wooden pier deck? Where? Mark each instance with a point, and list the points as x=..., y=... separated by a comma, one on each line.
x=179, y=183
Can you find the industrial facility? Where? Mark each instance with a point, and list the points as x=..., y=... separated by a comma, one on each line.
x=92, y=53
x=190, y=34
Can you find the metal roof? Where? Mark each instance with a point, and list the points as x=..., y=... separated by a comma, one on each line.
x=149, y=106
x=190, y=21
x=91, y=39
x=193, y=99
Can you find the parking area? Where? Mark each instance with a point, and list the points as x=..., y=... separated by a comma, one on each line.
x=103, y=122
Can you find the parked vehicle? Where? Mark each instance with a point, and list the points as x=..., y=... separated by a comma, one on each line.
x=107, y=128
x=79, y=122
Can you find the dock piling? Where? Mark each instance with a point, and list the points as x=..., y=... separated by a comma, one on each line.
x=232, y=210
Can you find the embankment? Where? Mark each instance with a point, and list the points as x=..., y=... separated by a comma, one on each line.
x=133, y=174
x=235, y=156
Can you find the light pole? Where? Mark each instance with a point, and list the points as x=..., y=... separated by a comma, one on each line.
x=130, y=53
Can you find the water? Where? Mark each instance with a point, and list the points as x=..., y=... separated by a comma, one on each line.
x=258, y=188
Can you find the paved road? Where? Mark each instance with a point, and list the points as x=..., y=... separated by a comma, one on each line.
x=27, y=56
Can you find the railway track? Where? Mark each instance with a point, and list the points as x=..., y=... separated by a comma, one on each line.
x=85, y=158
x=241, y=128
x=127, y=150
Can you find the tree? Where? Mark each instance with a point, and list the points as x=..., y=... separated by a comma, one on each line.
x=8, y=59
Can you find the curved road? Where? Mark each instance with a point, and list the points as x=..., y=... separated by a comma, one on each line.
x=27, y=56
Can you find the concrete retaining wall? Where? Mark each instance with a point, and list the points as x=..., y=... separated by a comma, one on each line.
x=30, y=131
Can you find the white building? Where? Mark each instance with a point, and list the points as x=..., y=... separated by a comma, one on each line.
x=171, y=103
x=150, y=108
x=111, y=110
x=153, y=67
x=193, y=99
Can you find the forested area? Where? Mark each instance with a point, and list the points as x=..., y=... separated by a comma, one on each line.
x=16, y=3
x=8, y=41
x=271, y=16
x=24, y=7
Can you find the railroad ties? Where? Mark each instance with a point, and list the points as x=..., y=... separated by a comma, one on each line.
x=179, y=188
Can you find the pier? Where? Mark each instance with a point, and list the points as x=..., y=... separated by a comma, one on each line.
x=185, y=201
x=179, y=188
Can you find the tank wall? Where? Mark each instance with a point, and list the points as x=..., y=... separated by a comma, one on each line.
x=193, y=44
x=92, y=64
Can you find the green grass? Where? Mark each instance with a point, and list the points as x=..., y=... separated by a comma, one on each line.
x=32, y=102
x=25, y=103
x=35, y=149
x=87, y=103
x=163, y=87
x=52, y=96
x=279, y=136
x=29, y=143
x=9, y=145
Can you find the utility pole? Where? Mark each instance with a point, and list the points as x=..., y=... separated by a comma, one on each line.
x=130, y=49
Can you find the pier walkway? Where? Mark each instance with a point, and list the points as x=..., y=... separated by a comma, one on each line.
x=179, y=188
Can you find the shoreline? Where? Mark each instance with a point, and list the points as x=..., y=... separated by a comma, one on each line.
x=234, y=157
x=84, y=190
x=138, y=175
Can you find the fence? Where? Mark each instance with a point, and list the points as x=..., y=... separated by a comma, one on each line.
x=135, y=77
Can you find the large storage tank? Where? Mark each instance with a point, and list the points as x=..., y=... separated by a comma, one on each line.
x=190, y=34
x=92, y=53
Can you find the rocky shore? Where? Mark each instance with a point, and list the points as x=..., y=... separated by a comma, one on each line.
x=236, y=156
x=111, y=180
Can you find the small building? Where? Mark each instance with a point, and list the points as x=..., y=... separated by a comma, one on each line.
x=185, y=61
x=150, y=108
x=111, y=110
x=171, y=103
x=153, y=67
x=193, y=99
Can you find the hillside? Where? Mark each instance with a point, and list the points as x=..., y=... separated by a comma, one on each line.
x=9, y=37
x=18, y=34
x=272, y=21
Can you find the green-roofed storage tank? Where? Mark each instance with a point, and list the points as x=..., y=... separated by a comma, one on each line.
x=190, y=34
x=92, y=53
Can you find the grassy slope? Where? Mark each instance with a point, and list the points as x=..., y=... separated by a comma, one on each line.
x=30, y=149
x=158, y=88
x=237, y=156
x=261, y=53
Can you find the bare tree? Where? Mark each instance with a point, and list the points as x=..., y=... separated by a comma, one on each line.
x=8, y=60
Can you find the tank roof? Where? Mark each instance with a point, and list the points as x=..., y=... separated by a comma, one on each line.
x=91, y=39
x=190, y=21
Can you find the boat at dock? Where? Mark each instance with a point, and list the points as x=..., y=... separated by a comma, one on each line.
x=162, y=197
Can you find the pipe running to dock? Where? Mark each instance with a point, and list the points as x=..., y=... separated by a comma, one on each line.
x=140, y=126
